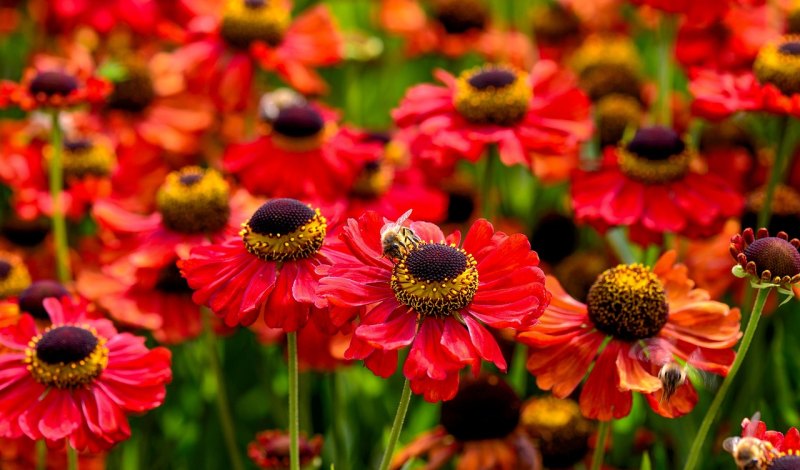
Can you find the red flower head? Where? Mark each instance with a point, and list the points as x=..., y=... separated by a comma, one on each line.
x=775, y=450
x=540, y=113
x=14, y=275
x=433, y=293
x=141, y=16
x=649, y=184
x=304, y=154
x=270, y=450
x=269, y=270
x=767, y=261
x=635, y=327
x=77, y=379
x=696, y=12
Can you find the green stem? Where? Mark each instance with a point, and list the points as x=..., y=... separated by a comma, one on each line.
x=666, y=46
x=711, y=414
x=56, y=186
x=397, y=425
x=619, y=243
x=72, y=458
x=487, y=206
x=600, y=447
x=339, y=415
x=518, y=374
x=785, y=150
x=223, y=404
x=294, y=405
x=41, y=455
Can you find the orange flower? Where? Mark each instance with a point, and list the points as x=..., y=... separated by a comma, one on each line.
x=637, y=325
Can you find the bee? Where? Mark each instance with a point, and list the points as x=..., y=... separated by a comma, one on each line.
x=397, y=240
x=750, y=453
x=672, y=375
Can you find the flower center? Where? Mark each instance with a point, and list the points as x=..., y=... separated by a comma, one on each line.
x=67, y=356
x=52, y=82
x=628, y=302
x=374, y=180
x=170, y=281
x=14, y=276
x=602, y=80
x=298, y=128
x=461, y=16
x=271, y=449
x=774, y=255
x=30, y=300
x=560, y=429
x=655, y=155
x=493, y=95
x=435, y=279
x=556, y=24
x=134, y=93
x=271, y=103
x=194, y=200
x=25, y=233
x=83, y=158
x=247, y=21
x=785, y=462
x=616, y=113
x=778, y=63
x=785, y=209
x=483, y=408
x=284, y=229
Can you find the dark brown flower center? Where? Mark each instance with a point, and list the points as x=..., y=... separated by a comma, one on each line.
x=602, y=80
x=30, y=300
x=556, y=24
x=65, y=344
x=434, y=262
x=655, y=155
x=616, y=113
x=775, y=255
x=496, y=78
x=84, y=157
x=628, y=302
x=461, y=16
x=656, y=143
x=484, y=408
x=778, y=63
x=554, y=238
x=190, y=179
x=280, y=216
x=786, y=462
x=5, y=269
x=298, y=121
x=133, y=93
x=170, y=281
x=559, y=428
x=52, y=83
x=194, y=200
x=284, y=229
x=25, y=233
x=492, y=95
x=790, y=48
x=247, y=21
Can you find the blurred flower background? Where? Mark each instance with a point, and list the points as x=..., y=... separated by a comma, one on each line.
x=357, y=234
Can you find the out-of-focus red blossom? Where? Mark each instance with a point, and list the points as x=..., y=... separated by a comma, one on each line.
x=20, y=454
x=508, y=293
x=787, y=444
x=99, y=359
x=304, y=154
x=709, y=261
x=695, y=12
x=718, y=95
x=270, y=450
x=653, y=191
x=317, y=350
x=687, y=324
x=222, y=65
x=140, y=16
x=542, y=113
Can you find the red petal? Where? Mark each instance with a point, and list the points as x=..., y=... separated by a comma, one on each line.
x=601, y=398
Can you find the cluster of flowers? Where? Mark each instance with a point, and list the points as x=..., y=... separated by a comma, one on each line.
x=190, y=186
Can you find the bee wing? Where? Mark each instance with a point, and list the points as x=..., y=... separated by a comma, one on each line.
x=698, y=376
x=402, y=219
x=752, y=426
x=729, y=444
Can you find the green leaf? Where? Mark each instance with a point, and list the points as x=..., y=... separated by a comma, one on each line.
x=646, y=465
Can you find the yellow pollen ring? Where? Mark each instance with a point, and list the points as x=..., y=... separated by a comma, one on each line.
x=67, y=374
x=503, y=106
x=303, y=242
x=96, y=159
x=18, y=278
x=242, y=24
x=435, y=298
x=653, y=171
x=775, y=67
x=201, y=206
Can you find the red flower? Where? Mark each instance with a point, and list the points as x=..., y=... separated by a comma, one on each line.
x=521, y=114
x=435, y=298
x=270, y=450
x=649, y=185
x=696, y=12
x=77, y=379
x=269, y=270
x=141, y=16
x=650, y=317
x=776, y=449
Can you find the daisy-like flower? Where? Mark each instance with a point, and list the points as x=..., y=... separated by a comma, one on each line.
x=636, y=321
x=479, y=430
x=559, y=431
x=270, y=451
x=778, y=451
x=435, y=298
x=695, y=12
x=77, y=379
x=523, y=114
x=608, y=65
x=649, y=184
x=767, y=261
x=268, y=270
x=14, y=275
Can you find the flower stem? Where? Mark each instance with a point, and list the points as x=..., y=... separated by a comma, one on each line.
x=785, y=150
x=56, y=186
x=711, y=414
x=294, y=406
x=600, y=447
x=397, y=425
x=72, y=458
x=486, y=185
x=666, y=40
x=41, y=454
x=620, y=245
x=223, y=405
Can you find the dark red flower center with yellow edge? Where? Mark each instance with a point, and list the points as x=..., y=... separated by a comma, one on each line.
x=556, y=24
x=483, y=408
x=194, y=200
x=248, y=21
x=435, y=279
x=616, y=113
x=298, y=128
x=30, y=300
x=784, y=462
x=493, y=95
x=52, y=83
x=461, y=16
x=774, y=255
x=284, y=229
x=66, y=356
x=778, y=63
x=655, y=155
x=14, y=275
x=628, y=302
x=170, y=281
x=134, y=92
x=84, y=157
x=785, y=209
x=559, y=428
x=374, y=180
x=25, y=233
